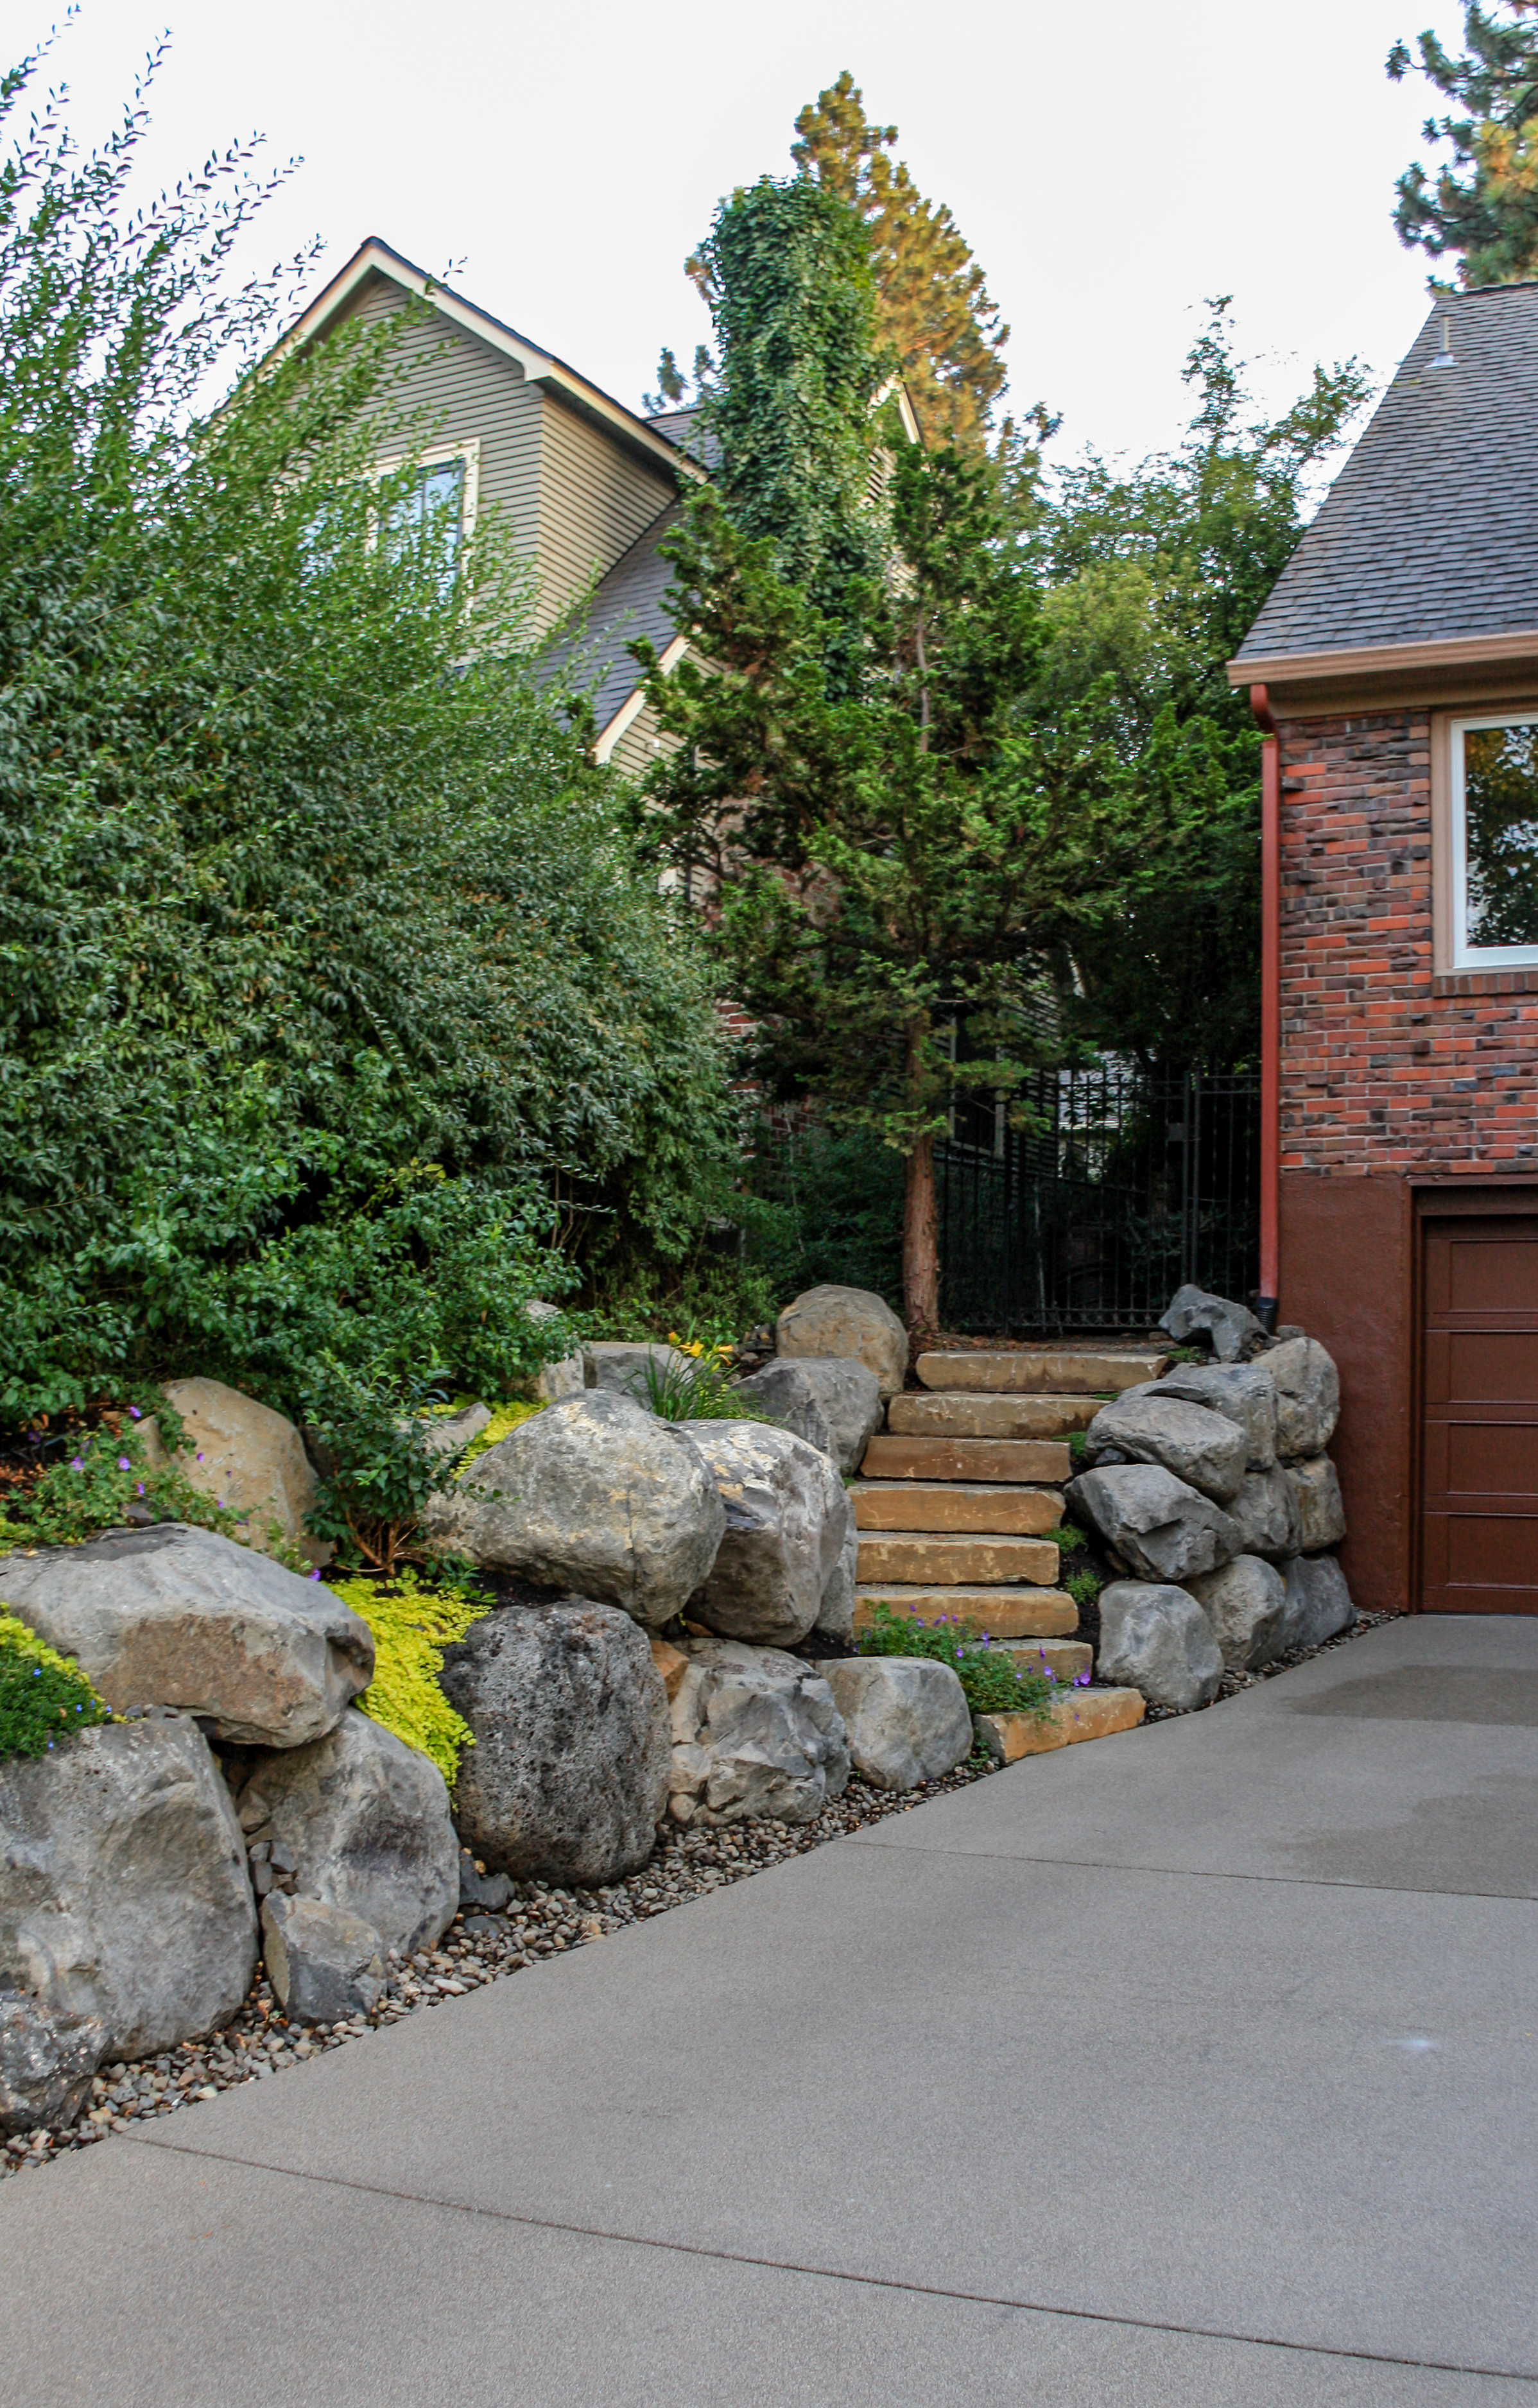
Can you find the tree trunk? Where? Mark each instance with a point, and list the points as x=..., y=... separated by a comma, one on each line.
x=920, y=1243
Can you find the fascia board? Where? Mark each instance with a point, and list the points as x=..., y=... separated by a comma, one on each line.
x=1357, y=661
x=635, y=702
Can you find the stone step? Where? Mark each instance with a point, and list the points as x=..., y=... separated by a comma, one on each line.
x=1002, y=1613
x=953, y=1505
x=942, y=1560
x=915, y=1414
x=966, y=1459
x=1064, y=1658
x=1082, y=1713
x=1040, y=1370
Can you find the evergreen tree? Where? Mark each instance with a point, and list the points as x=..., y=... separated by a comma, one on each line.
x=1483, y=205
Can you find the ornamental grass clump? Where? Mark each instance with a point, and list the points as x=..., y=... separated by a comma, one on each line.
x=43, y=1696
x=412, y=1626
x=990, y=1679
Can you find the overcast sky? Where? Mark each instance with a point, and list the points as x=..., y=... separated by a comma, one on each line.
x=1109, y=164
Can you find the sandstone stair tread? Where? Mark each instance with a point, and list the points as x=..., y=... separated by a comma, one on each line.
x=997, y=1459
x=950, y=1556
x=935, y=1507
x=1040, y=1370
x=981, y=1414
x=1003, y=1612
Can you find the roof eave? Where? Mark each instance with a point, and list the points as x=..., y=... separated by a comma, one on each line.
x=1351, y=664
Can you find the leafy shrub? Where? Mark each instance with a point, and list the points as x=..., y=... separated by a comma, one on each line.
x=43, y=1697
x=990, y=1680
x=105, y=1478
x=375, y=1471
x=411, y=1626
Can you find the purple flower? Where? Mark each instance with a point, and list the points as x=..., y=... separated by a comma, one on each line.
x=200, y=1458
x=138, y=1489
x=124, y=1464
x=315, y=1575
x=1080, y=1681
x=135, y=1413
x=77, y=1464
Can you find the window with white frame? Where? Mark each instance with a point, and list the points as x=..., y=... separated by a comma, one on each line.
x=1494, y=830
x=435, y=514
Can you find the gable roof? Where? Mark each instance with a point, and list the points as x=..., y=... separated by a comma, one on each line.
x=626, y=604
x=542, y=368
x=1425, y=543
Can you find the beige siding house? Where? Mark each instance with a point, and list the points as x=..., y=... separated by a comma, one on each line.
x=587, y=487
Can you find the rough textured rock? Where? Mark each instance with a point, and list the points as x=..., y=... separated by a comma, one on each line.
x=568, y=1779
x=1266, y=1513
x=1198, y=1445
x=366, y=1821
x=46, y=2059
x=787, y=1522
x=619, y=1369
x=1155, y=1637
x=1316, y=1491
x=249, y=1458
x=835, y=1395
x=324, y=1963
x=836, y=1613
x=490, y=1892
x=595, y=1495
x=1246, y=1602
x=1308, y=1397
x=446, y=1433
x=123, y=1887
x=905, y=1719
x=1245, y=1393
x=177, y=1616
x=754, y=1732
x=1319, y=1603
x=1159, y=1525
x=847, y=1322
x=1231, y=1326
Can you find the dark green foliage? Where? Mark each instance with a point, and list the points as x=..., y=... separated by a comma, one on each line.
x=1483, y=207
x=987, y=1674
x=43, y=1697
x=332, y=991
x=103, y=1479
x=375, y=1470
x=832, y=1212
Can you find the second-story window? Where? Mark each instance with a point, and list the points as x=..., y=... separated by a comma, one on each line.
x=429, y=518
x=1495, y=841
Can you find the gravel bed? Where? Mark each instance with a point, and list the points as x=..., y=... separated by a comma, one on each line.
x=542, y=1921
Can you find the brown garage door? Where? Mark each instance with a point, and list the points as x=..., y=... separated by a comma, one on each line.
x=1480, y=1386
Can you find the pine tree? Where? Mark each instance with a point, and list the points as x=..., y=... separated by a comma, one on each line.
x=933, y=303
x=1484, y=203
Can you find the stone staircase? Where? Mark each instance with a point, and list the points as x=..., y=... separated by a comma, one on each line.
x=958, y=1497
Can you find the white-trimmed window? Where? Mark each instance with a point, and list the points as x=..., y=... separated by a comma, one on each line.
x=436, y=511
x=1492, y=829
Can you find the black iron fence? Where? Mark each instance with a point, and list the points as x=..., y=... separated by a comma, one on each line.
x=1125, y=1183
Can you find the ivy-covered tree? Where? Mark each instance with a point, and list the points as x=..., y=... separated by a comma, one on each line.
x=886, y=839
x=1482, y=207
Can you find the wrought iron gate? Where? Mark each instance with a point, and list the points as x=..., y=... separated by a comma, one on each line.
x=1126, y=1183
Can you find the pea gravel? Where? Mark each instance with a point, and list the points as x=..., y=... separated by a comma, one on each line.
x=543, y=1920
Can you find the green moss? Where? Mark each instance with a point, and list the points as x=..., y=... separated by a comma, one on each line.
x=43, y=1696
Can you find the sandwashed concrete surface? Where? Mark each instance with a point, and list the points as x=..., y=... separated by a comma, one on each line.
x=1195, y=2067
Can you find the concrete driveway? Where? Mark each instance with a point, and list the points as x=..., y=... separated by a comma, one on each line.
x=1196, y=2066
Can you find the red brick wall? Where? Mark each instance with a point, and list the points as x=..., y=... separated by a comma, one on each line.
x=1385, y=1069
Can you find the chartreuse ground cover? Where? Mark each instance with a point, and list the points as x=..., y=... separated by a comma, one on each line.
x=43, y=1696
x=413, y=1623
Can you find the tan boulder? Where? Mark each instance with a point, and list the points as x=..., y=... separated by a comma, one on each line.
x=848, y=1321
x=245, y=1455
x=1084, y=1714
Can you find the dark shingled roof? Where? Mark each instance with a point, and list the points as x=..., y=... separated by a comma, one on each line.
x=1430, y=530
x=628, y=604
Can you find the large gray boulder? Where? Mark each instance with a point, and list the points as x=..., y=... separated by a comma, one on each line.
x=1201, y=1447
x=836, y=1613
x=1308, y=1397
x=323, y=1962
x=123, y=1887
x=755, y=1733
x=568, y=1779
x=178, y=1616
x=1160, y=1526
x=833, y=1402
x=845, y=1322
x=1245, y=1393
x=46, y=2059
x=1265, y=1512
x=788, y=1516
x=595, y=1495
x=1155, y=1637
x=1246, y=1602
x=248, y=1457
x=1319, y=1603
x=366, y=1821
x=1195, y=1311
x=1316, y=1492
x=905, y=1719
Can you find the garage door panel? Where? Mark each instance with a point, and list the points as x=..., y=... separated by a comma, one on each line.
x=1492, y=1551
x=1479, y=1437
x=1481, y=1459
x=1494, y=1365
x=1496, y=1275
